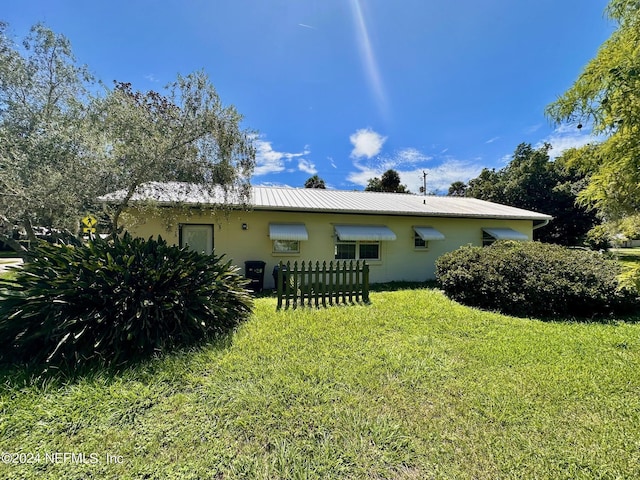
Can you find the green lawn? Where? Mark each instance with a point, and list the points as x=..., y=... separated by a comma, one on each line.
x=627, y=256
x=412, y=386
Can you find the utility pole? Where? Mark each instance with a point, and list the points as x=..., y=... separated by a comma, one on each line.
x=424, y=182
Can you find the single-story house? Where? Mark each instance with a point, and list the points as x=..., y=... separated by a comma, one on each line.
x=399, y=235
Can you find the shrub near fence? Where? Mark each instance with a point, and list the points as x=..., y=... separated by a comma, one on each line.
x=318, y=285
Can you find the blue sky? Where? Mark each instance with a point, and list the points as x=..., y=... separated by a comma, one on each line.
x=349, y=88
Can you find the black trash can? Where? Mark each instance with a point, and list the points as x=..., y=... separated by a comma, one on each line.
x=285, y=276
x=254, y=271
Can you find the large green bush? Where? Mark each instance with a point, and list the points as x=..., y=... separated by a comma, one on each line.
x=535, y=279
x=111, y=302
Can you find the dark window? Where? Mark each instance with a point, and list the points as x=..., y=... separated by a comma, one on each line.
x=357, y=250
x=369, y=250
x=419, y=242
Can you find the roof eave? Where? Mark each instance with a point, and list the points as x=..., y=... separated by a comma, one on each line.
x=540, y=217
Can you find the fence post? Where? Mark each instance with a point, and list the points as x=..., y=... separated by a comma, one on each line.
x=316, y=284
x=339, y=281
x=279, y=285
x=344, y=282
x=324, y=284
x=331, y=283
x=303, y=285
x=308, y=284
x=287, y=286
x=350, y=281
x=295, y=285
x=357, y=285
x=365, y=282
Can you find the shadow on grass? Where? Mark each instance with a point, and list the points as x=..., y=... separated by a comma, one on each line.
x=48, y=376
x=397, y=286
x=606, y=319
x=374, y=287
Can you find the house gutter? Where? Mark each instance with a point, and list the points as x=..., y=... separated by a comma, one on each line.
x=544, y=223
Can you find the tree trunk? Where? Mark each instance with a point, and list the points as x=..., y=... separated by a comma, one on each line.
x=31, y=236
x=12, y=243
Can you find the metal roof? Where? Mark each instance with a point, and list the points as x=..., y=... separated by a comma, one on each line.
x=328, y=201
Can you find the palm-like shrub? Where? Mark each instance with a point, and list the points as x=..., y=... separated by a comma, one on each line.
x=111, y=302
x=535, y=279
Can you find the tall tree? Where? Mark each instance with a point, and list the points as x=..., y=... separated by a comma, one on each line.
x=61, y=147
x=315, y=182
x=607, y=96
x=187, y=135
x=533, y=182
x=457, y=189
x=485, y=186
x=47, y=165
x=389, y=182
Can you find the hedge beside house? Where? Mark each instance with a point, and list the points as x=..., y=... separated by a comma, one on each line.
x=535, y=279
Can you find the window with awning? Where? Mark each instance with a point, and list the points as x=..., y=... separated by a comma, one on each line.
x=288, y=231
x=372, y=233
x=360, y=242
x=490, y=235
x=423, y=235
x=286, y=237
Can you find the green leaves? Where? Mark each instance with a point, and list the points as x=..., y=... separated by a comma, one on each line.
x=534, y=279
x=112, y=302
x=47, y=169
x=607, y=96
x=533, y=182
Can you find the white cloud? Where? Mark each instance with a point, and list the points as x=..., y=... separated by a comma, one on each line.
x=307, y=166
x=407, y=158
x=491, y=140
x=568, y=136
x=269, y=160
x=532, y=129
x=366, y=143
x=151, y=77
x=505, y=159
x=407, y=163
x=439, y=178
x=364, y=173
x=411, y=156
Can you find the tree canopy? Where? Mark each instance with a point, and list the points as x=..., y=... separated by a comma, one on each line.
x=533, y=182
x=47, y=160
x=389, y=182
x=457, y=189
x=315, y=182
x=186, y=136
x=606, y=95
x=62, y=144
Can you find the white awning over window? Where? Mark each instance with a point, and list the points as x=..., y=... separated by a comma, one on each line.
x=364, y=232
x=505, y=234
x=288, y=231
x=428, y=233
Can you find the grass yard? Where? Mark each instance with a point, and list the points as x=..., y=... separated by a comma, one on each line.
x=412, y=386
x=628, y=257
